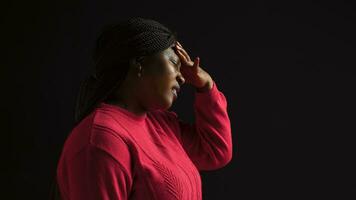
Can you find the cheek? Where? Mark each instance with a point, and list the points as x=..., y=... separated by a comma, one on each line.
x=157, y=94
x=165, y=69
x=162, y=91
x=164, y=78
x=160, y=82
x=156, y=87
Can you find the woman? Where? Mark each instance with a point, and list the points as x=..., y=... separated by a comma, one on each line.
x=126, y=144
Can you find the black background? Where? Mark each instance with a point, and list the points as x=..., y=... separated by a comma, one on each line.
x=285, y=68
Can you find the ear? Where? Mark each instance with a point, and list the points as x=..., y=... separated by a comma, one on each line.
x=137, y=64
x=136, y=61
x=140, y=59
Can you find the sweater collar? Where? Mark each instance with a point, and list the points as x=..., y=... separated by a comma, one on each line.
x=129, y=114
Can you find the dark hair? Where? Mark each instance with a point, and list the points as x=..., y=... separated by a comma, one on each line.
x=116, y=45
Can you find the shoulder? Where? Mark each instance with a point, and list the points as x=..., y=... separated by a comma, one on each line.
x=106, y=129
x=111, y=142
x=105, y=120
x=96, y=136
x=108, y=136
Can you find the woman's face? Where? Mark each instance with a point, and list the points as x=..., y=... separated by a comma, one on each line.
x=160, y=80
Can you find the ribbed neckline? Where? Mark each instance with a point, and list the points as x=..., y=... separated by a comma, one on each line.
x=129, y=114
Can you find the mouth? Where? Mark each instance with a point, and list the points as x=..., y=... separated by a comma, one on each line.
x=175, y=90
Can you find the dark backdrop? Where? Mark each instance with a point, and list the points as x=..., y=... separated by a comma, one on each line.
x=285, y=69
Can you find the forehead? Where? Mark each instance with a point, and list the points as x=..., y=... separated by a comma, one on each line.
x=169, y=53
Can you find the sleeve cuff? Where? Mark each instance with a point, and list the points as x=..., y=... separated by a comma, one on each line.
x=209, y=95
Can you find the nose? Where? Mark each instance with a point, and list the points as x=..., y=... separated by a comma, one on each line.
x=180, y=79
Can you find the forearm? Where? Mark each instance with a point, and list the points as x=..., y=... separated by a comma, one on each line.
x=208, y=140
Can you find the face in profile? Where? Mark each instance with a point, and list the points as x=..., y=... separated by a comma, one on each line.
x=161, y=81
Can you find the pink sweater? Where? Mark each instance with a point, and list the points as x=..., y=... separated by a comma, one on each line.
x=115, y=154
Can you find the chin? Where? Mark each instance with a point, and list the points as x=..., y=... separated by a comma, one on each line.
x=164, y=104
x=167, y=102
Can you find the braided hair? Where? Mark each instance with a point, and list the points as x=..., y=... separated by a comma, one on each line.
x=114, y=48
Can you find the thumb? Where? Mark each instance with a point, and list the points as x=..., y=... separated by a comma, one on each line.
x=196, y=63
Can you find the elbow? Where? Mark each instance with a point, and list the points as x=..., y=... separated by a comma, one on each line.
x=223, y=156
x=217, y=161
x=224, y=160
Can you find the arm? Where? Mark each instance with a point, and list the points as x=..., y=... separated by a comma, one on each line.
x=208, y=141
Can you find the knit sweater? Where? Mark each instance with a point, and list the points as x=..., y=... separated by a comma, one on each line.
x=116, y=154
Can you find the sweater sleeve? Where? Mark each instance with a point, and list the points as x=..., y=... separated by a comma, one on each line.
x=97, y=173
x=208, y=140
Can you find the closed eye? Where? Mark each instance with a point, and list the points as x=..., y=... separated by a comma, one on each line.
x=174, y=62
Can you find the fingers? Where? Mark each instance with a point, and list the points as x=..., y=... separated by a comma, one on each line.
x=182, y=56
x=179, y=47
x=184, y=53
x=179, y=44
x=186, y=59
x=196, y=63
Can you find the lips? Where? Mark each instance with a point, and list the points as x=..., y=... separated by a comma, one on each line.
x=175, y=90
x=174, y=93
x=176, y=87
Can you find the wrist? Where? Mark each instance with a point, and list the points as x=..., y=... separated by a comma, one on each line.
x=207, y=87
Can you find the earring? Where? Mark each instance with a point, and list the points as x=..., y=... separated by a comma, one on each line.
x=139, y=73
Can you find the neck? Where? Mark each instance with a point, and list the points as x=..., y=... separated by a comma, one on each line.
x=126, y=99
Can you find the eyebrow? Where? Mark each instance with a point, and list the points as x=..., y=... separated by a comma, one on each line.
x=176, y=60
